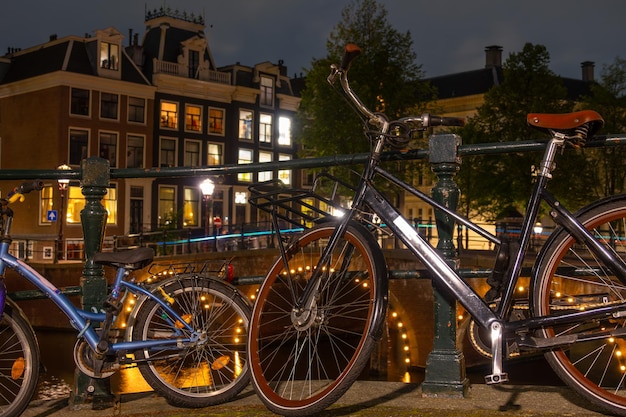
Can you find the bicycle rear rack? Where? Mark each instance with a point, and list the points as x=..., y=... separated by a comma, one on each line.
x=210, y=268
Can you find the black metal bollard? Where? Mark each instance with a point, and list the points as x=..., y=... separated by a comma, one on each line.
x=445, y=366
x=95, y=176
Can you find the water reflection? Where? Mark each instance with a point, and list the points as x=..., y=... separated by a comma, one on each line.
x=57, y=377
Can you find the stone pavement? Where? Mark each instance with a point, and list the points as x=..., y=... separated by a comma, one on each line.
x=365, y=398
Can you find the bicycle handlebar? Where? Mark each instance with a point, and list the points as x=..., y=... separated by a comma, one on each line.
x=24, y=188
x=426, y=120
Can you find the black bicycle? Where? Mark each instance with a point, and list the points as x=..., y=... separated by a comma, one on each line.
x=321, y=308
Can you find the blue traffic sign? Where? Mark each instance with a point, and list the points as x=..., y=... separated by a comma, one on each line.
x=52, y=215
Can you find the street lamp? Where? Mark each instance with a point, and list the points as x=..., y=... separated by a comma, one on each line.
x=207, y=187
x=63, y=184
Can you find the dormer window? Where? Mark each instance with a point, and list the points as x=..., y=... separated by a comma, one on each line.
x=109, y=56
x=106, y=51
x=194, y=63
x=267, y=91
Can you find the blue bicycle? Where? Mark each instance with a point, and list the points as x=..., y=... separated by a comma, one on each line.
x=186, y=333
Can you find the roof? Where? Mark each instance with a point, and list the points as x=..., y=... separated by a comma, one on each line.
x=172, y=42
x=49, y=58
x=467, y=83
x=480, y=81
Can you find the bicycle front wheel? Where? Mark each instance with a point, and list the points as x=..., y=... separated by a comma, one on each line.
x=19, y=362
x=209, y=371
x=303, y=362
x=571, y=278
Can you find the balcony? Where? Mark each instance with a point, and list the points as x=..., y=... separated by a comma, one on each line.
x=182, y=70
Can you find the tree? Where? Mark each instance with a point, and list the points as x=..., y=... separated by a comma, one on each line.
x=494, y=183
x=608, y=98
x=385, y=77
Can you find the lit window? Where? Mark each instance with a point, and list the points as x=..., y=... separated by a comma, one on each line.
x=134, y=153
x=284, y=131
x=191, y=206
x=136, y=110
x=192, y=153
x=108, y=148
x=47, y=203
x=265, y=157
x=245, y=124
x=167, y=206
x=265, y=128
x=109, y=56
x=245, y=157
x=241, y=197
x=284, y=174
x=167, y=154
x=79, y=102
x=193, y=118
x=216, y=121
x=108, y=105
x=110, y=205
x=169, y=115
x=215, y=154
x=76, y=203
x=267, y=91
x=79, y=145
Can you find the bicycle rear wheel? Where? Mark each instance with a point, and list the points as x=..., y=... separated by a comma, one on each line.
x=301, y=366
x=215, y=368
x=569, y=278
x=19, y=362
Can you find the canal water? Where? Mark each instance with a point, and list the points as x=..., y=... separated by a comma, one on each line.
x=57, y=376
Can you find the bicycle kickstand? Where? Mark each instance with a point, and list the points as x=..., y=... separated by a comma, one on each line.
x=497, y=376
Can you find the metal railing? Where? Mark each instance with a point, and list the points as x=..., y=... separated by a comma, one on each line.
x=95, y=176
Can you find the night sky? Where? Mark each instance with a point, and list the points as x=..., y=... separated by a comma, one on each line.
x=448, y=35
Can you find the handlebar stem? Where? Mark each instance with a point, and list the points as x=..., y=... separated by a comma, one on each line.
x=372, y=118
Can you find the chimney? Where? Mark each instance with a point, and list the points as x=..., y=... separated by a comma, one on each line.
x=53, y=37
x=588, y=67
x=493, y=55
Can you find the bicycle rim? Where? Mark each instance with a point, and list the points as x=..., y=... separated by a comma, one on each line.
x=571, y=279
x=19, y=363
x=303, y=367
x=208, y=372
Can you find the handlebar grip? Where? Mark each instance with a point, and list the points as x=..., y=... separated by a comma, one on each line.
x=28, y=186
x=431, y=120
x=351, y=51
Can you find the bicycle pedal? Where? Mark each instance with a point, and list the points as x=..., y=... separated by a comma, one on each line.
x=496, y=378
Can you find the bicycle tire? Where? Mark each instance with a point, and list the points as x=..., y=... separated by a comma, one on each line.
x=301, y=369
x=19, y=361
x=568, y=277
x=211, y=371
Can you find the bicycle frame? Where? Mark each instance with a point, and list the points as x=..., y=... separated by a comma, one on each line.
x=445, y=275
x=367, y=195
x=81, y=319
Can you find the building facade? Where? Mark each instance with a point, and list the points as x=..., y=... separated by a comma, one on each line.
x=161, y=102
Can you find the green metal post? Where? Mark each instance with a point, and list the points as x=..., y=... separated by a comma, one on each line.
x=445, y=365
x=95, y=177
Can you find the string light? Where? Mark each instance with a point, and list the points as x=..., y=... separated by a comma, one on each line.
x=396, y=322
